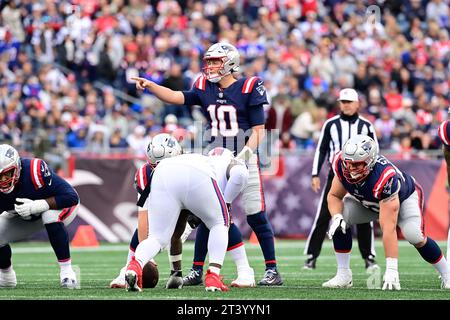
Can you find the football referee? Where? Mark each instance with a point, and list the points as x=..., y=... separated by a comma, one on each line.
x=335, y=132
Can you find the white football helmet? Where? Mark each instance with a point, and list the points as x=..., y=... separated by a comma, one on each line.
x=10, y=166
x=359, y=149
x=163, y=146
x=227, y=54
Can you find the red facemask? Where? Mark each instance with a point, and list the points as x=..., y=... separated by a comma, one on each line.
x=213, y=72
x=12, y=174
x=355, y=175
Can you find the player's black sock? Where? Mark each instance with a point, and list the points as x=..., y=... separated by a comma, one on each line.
x=59, y=239
x=342, y=242
x=234, y=237
x=430, y=252
x=134, y=240
x=201, y=247
x=5, y=257
x=263, y=230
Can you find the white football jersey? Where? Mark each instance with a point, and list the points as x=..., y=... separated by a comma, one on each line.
x=213, y=166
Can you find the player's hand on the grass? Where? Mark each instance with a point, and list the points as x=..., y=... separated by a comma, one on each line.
x=337, y=222
x=391, y=280
x=26, y=207
x=142, y=83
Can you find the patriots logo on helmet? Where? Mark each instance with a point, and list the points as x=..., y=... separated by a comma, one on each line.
x=367, y=147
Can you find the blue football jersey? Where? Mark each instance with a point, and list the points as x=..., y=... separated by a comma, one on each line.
x=444, y=133
x=143, y=177
x=383, y=181
x=231, y=112
x=36, y=182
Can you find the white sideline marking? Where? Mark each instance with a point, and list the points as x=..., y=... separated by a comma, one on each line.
x=190, y=246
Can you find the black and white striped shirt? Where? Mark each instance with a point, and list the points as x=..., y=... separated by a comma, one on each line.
x=335, y=133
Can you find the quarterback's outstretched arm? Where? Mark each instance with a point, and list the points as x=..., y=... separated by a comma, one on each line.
x=165, y=94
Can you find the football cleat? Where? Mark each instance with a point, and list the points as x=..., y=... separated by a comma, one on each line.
x=8, y=279
x=213, y=282
x=371, y=265
x=445, y=282
x=271, y=278
x=194, y=278
x=343, y=279
x=119, y=282
x=245, y=279
x=175, y=280
x=69, y=283
x=133, y=276
x=310, y=264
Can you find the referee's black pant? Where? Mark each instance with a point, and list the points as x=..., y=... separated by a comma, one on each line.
x=320, y=227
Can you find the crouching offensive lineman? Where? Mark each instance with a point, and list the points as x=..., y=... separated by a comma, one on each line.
x=33, y=197
x=191, y=182
x=377, y=190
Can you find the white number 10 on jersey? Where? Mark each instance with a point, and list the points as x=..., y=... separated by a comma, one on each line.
x=220, y=124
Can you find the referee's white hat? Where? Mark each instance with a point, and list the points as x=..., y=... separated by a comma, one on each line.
x=348, y=94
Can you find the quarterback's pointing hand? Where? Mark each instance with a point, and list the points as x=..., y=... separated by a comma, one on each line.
x=141, y=83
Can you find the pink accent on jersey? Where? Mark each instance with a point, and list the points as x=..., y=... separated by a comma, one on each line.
x=387, y=173
x=248, y=84
x=201, y=83
x=442, y=131
x=36, y=174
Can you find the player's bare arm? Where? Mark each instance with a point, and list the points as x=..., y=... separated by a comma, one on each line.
x=335, y=196
x=142, y=224
x=165, y=94
x=389, y=209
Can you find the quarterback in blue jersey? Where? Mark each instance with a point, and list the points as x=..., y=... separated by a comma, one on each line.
x=33, y=197
x=235, y=112
x=444, y=135
x=368, y=187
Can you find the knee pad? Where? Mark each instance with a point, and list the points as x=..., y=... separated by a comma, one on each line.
x=412, y=233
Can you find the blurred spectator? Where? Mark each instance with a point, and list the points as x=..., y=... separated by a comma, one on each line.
x=74, y=60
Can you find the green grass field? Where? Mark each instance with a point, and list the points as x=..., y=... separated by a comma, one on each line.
x=38, y=275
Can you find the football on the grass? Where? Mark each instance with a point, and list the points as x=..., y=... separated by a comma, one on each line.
x=150, y=275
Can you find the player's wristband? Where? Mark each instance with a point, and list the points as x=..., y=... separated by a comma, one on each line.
x=392, y=263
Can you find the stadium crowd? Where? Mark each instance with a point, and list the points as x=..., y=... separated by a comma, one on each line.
x=65, y=68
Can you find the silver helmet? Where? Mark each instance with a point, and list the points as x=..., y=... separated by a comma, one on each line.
x=229, y=57
x=162, y=146
x=359, y=155
x=10, y=166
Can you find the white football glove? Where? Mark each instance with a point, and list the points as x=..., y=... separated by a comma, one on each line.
x=337, y=222
x=30, y=207
x=391, y=279
x=245, y=154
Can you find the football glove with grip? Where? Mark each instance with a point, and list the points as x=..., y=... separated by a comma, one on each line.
x=27, y=207
x=391, y=279
x=337, y=222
